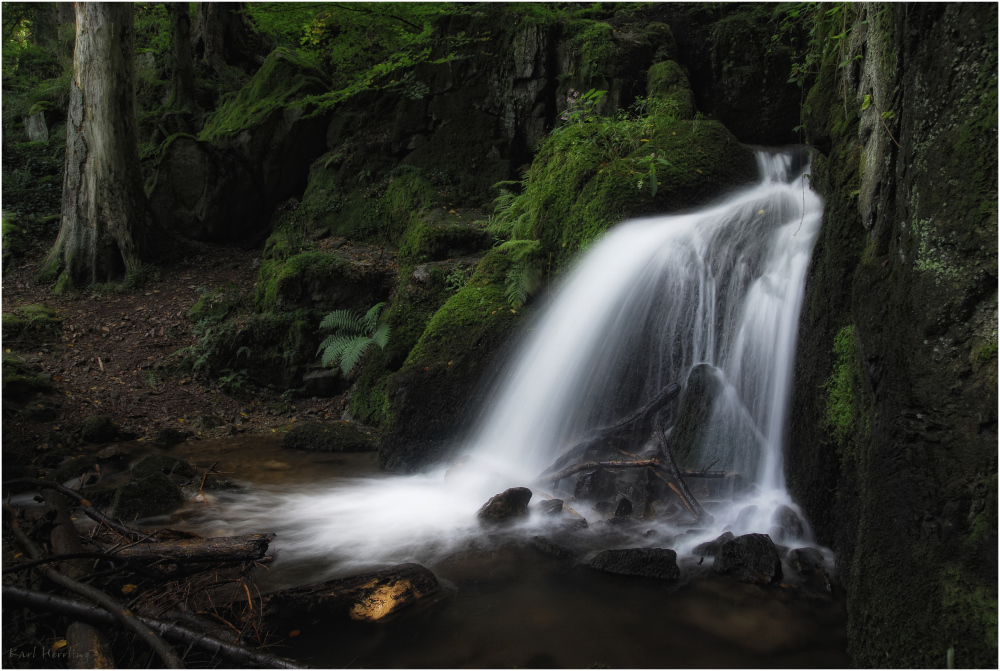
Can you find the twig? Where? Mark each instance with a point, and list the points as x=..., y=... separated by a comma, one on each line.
x=80, y=610
x=165, y=652
x=92, y=513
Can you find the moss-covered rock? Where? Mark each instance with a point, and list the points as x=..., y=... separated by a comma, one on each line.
x=154, y=464
x=31, y=322
x=326, y=437
x=99, y=429
x=318, y=280
x=153, y=495
x=666, y=81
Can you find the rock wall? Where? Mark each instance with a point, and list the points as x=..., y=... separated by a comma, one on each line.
x=893, y=444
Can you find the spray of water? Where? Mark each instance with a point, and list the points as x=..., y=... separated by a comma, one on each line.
x=655, y=298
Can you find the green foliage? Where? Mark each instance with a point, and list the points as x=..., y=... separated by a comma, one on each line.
x=30, y=323
x=153, y=32
x=353, y=335
x=842, y=406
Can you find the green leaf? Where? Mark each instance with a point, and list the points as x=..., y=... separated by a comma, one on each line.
x=867, y=102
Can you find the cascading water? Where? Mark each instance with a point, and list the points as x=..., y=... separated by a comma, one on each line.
x=717, y=290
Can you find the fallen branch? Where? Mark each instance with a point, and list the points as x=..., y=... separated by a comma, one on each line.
x=640, y=418
x=82, y=611
x=165, y=652
x=682, y=488
x=221, y=549
x=638, y=463
x=90, y=512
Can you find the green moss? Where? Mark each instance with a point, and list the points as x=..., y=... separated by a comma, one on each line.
x=969, y=608
x=20, y=380
x=214, y=306
x=844, y=413
x=31, y=322
x=280, y=282
x=285, y=76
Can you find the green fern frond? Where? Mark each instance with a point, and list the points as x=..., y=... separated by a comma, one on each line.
x=370, y=320
x=520, y=249
x=353, y=352
x=332, y=347
x=381, y=335
x=344, y=320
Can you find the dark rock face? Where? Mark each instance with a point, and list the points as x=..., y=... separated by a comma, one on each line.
x=643, y=562
x=750, y=558
x=506, y=506
x=711, y=548
x=100, y=429
x=594, y=486
x=790, y=525
x=155, y=494
x=693, y=415
x=326, y=437
x=900, y=315
x=805, y=561
x=549, y=506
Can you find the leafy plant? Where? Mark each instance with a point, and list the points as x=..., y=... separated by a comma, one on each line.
x=353, y=335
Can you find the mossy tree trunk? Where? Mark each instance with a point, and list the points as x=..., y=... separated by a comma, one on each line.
x=182, y=95
x=221, y=36
x=105, y=221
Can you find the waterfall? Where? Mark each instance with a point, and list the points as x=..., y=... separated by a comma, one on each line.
x=713, y=294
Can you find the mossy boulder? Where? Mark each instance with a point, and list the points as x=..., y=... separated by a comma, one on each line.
x=162, y=464
x=442, y=234
x=667, y=81
x=99, y=429
x=31, y=322
x=155, y=494
x=326, y=437
x=319, y=281
x=22, y=380
x=73, y=467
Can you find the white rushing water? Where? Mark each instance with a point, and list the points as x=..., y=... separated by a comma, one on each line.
x=654, y=298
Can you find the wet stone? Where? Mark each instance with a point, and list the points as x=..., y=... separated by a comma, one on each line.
x=594, y=486
x=546, y=546
x=806, y=561
x=550, y=506
x=161, y=464
x=624, y=508
x=711, y=548
x=657, y=563
x=506, y=506
x=789, y=523
x=170, y=436
x=750, y=558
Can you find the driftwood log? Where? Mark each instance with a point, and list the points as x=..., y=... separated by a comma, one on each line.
x=222, y=549
x=366, y=597
x=640, y=420
x=681, y=487
x=636, y=463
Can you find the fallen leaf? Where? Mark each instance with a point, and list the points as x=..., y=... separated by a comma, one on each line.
x=61, y=643
x=128, y=589
x=293, y=633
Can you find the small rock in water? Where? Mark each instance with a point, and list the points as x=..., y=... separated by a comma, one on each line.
x=790, y=524
x=644, y=562
x=750, y=558
x=170, y=436
x=543, y=544
x=806, y=561
x=711, y=548
x=550, y=506
x=506, y=506
x=596, y=485
x=624, y=508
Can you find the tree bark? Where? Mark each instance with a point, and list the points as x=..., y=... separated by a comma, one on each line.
x=226, y=548
x=105, y=221
x=182, y=96
x=221, y=37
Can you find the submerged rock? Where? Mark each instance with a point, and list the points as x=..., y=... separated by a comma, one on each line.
x=328, y=437
x=506, y=506
x=711, y=548
x=750, y=558
x=644, y=562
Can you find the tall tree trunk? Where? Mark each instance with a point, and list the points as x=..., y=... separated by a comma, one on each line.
x=182, y=96
x=105, y=220
x=222, y=37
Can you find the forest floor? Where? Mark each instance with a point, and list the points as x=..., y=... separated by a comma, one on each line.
x=116, y=355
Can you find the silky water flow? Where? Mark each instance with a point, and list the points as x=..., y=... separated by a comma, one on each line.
x=713, y=293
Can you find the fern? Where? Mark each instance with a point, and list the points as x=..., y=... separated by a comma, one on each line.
x=353, y=335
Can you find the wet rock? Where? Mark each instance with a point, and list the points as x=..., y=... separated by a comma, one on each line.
x=694, y=414
x=750, y=558
x=99, y=429
x=326, y=437
x=594, y=486
x=546, y=546
x=155, y=494
x=170, y=436
x=550, y=506
x=73, y=468
x=743, y=519
x=161, y=464
x=806, y=561
x=644, y=562
x=711, y=548
x=506, y=506
x=624, y=508
x=112, y=452
x=324, y=383
x=790, y=526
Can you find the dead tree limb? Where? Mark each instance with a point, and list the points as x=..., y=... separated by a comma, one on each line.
x=222, y=549
x=641, y=417
x=83, y=611
x=675, y=473
x=88, y=510
x=165, y=652
x=637, y=463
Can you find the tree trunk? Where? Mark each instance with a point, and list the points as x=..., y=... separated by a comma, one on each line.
x=182, y=95
x=221, y=37
x=105, y=220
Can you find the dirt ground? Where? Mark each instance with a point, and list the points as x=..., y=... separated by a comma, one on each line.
x=116, y=355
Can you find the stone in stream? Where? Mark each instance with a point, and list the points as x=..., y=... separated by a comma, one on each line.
x=326, y=437
x=624, y=508
x=643, y=562
x=806, y=561
x=750, y=558
x=711, y=548
x=546, y=546
x=506, y=506
x=550, y=506
x=170, y=436
x=789, y=524
x=594, y=486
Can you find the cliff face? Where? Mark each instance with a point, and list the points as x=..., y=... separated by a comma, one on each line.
x=893, y=446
